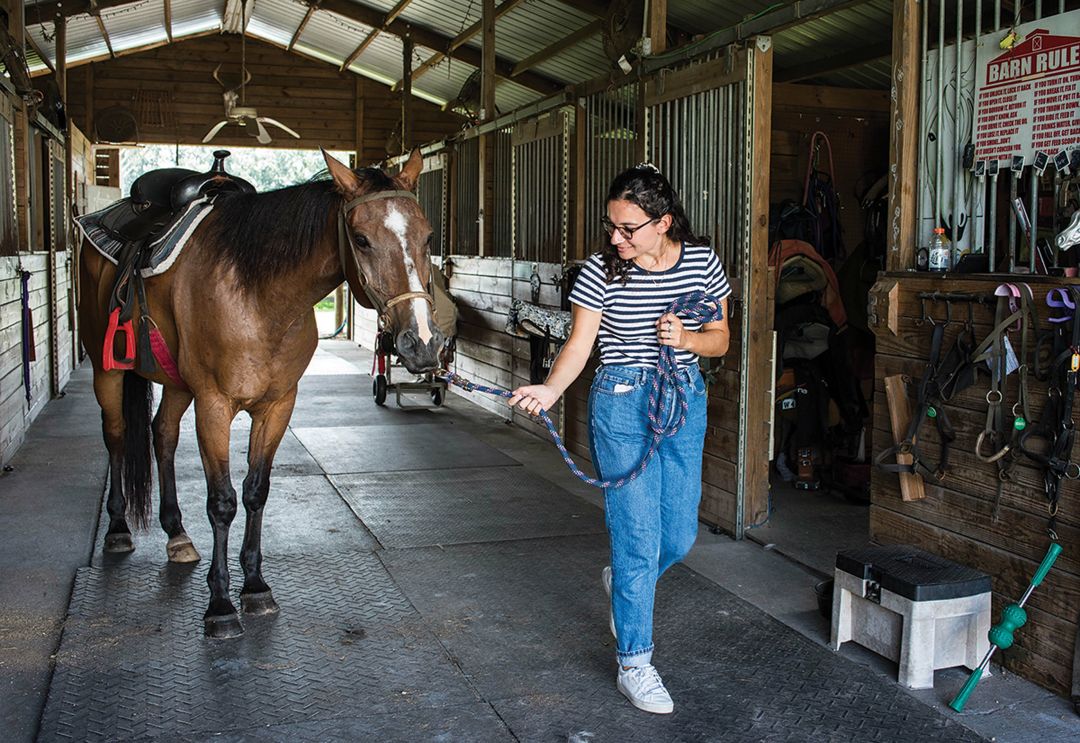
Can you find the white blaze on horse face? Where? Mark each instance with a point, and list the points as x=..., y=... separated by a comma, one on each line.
x=396, y=223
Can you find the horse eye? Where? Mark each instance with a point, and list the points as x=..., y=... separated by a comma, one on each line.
x=361, y=241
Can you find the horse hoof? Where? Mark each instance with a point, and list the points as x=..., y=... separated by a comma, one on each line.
x=181, y=550
x=258, y=603
x=223, y=627
x=119, y=542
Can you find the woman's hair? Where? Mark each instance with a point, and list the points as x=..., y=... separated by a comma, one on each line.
x=646, y=187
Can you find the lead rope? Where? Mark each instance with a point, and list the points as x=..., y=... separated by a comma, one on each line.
x=699, y=306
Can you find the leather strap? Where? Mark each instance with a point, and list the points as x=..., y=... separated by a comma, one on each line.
x=354, y=274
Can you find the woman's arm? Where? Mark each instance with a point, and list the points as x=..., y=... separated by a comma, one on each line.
x=571, y=360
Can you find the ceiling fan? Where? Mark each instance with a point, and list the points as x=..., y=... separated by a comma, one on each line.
x=236, y=109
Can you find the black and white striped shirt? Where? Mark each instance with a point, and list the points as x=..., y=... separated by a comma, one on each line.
x=628, y=326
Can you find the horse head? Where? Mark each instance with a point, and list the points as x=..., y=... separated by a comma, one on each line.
x=385, y=252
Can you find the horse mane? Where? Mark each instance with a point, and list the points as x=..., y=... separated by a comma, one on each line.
x=266, y=235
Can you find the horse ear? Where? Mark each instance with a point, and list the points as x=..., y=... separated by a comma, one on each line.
x=346, y=180
x=411, y=172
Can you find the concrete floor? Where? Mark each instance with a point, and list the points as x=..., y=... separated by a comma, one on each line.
x=50, y=506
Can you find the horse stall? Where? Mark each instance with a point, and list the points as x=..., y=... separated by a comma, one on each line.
x=36, y=292
x=962, y=161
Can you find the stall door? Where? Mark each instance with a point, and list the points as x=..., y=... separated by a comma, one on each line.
x=707, y=127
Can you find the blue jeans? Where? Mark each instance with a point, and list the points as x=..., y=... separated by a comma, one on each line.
x=651, y=520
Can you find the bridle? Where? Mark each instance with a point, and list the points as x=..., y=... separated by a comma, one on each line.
x=347, y=253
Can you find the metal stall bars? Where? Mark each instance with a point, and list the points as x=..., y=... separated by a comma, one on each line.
x=702, y=129
x=465, y=212
x=541, y=167
x=695, y=132
x=432, y=193
x=502, y=217
x=612, y=132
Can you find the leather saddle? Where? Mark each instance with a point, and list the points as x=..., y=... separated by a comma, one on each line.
x=159, y=196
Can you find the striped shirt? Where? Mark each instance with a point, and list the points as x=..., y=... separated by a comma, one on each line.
x=630, y=311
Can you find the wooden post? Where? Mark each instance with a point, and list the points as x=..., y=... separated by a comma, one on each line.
x=657, y=26
x=359, y=122
x=88, y=94
x=406, y=94
x=904, y=138
x=577, y=181
x=756, y=329
x=17, y=27
x=911, y=485
x=487, y=111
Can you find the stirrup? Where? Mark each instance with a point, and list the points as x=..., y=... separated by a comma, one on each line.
x=109, y=362
x=1070, y=235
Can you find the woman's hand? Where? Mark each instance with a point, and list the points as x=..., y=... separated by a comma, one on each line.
x=670, y=332
x=533, y=398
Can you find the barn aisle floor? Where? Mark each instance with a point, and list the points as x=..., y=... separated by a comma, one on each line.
x=438, y=577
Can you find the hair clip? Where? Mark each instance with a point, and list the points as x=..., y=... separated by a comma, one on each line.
x=647, y=166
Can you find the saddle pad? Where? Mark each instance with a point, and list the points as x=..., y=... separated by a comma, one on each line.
x=162, y=251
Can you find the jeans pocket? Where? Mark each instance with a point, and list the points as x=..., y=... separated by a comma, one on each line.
x=697, y=383
x=616, y=383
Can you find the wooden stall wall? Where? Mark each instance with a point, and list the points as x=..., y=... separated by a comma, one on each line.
x=955, y=518
x=16, y=413
x=172, y=95
x=856, y=123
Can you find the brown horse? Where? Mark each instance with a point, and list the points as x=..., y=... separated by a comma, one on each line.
x=236, y=310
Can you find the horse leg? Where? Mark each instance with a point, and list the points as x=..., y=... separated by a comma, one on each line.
x=166, y=435
x=268, y=424
x=109, y=390
x=213, y=417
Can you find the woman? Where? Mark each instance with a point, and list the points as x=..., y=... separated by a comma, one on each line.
x=621, y=296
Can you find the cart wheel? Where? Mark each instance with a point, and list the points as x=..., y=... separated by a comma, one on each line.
x=378, y=389
x=437, y=396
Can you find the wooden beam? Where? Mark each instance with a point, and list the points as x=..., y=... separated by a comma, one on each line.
x=835, y=63
x=487, y=80
x=590, y=29
x=756, y=300
x=33, y=15
x=104, y=34
x=359, y=50
x=168, y=20
x=656, y=26
x=406, y=94
x=460, y=40
x=903, y=138
x=359, y=121
x=302, y=25
x=30, y=40
x=155, y=45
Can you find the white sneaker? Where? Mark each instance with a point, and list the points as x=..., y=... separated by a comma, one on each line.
x=644, y=688
x=606, y=578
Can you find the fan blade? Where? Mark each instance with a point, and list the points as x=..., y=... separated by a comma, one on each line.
x=279, y=125
x=214, y=130
x=264, y=136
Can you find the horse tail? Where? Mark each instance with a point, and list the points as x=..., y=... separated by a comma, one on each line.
x=138, y=448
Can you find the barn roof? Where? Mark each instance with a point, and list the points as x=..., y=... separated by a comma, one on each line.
x=541, y=45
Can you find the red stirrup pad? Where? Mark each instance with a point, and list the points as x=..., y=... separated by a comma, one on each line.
x=109, y=361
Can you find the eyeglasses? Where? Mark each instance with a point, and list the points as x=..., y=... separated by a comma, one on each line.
x=627, y=233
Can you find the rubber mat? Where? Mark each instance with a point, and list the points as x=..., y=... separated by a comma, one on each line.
x=528, y=622
x=465, y=505
x=397, y=448
x=133, y=663
x=302, y=515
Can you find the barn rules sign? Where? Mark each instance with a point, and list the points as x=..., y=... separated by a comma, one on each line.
x=1028, y=97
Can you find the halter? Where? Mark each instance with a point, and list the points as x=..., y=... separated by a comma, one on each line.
x=347, y=253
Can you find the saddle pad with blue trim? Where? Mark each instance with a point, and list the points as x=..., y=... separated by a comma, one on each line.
x=163, y=249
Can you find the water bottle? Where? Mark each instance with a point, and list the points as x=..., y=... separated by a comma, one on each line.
x=940, y=253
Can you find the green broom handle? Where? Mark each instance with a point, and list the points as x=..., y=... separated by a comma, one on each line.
x=1013, y=617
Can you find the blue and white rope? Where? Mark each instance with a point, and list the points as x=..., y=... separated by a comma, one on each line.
x=699, y=306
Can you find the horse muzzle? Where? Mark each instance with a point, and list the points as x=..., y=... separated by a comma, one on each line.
x=417, y=356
